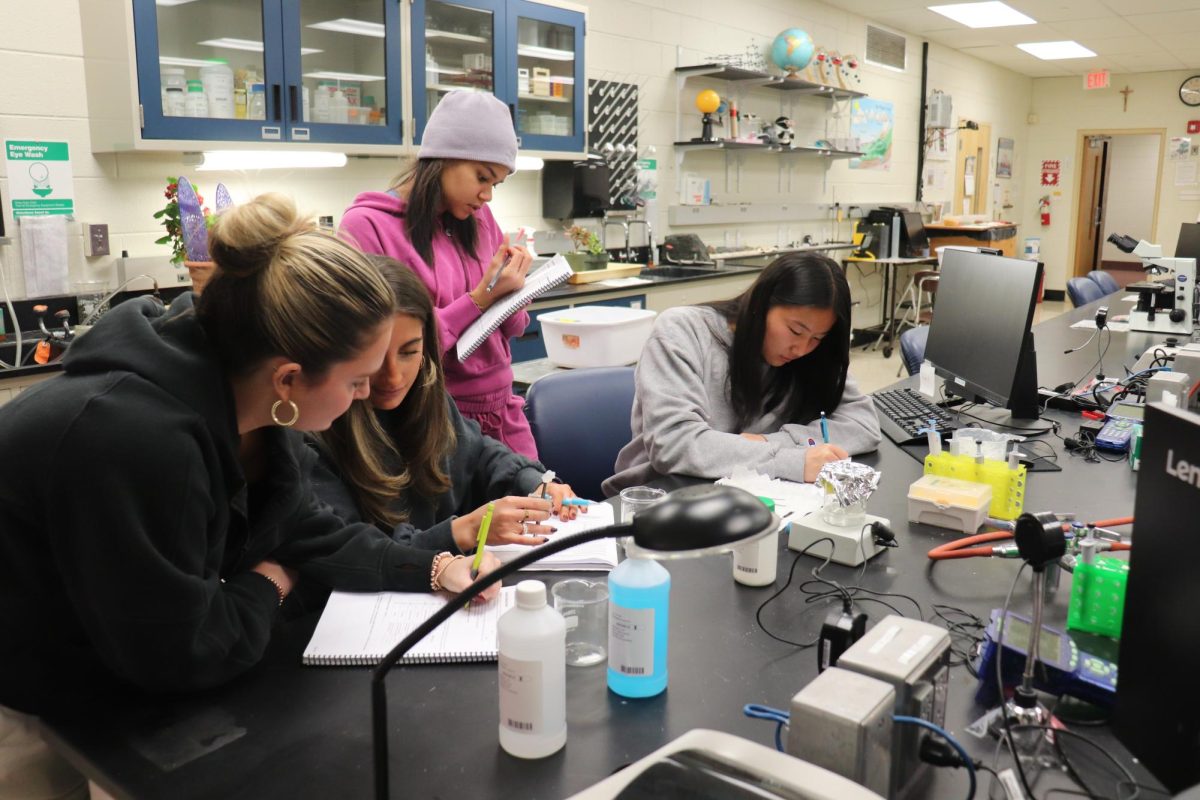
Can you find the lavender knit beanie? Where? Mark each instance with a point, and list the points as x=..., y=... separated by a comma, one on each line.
x=474, y=126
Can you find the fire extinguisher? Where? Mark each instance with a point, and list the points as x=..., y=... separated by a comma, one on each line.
x=1044, y=210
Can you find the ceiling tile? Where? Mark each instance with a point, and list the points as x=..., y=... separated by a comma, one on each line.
x=1056, y=10
x=1175, y=42
x=918, y=21
x=1133, y=44
x=1125, y=7
x=1188, y=59
x=1097, y=28
x=1147, y=62
x=1174, y=22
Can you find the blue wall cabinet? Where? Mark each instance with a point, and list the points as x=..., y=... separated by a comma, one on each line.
x=176, y=74
x=530, y=55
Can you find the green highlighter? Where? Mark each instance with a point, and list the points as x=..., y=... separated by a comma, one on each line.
x=482, y=539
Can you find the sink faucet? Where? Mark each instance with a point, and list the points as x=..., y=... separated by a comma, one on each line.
x=649, y=239
x=624, y=225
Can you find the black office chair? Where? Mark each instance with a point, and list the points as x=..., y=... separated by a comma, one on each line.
x=1105, y=281
x=580, y=421
x=1083, y=291
x=912, y=348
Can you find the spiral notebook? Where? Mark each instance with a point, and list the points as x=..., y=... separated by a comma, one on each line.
x=359, y=629
x=553, y=273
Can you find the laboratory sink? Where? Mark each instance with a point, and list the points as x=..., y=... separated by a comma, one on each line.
x=674, y=271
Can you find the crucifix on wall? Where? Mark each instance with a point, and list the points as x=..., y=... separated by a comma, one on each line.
x=1126, y=91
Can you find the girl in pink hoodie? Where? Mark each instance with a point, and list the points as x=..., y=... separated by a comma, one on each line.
x=436, y=220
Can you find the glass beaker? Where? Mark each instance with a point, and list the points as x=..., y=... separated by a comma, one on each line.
x=89, y=294
x=584, y=606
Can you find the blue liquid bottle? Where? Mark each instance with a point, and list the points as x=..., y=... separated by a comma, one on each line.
x=639, y=600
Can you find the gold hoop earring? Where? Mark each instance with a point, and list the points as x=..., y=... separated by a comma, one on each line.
x=275, y=413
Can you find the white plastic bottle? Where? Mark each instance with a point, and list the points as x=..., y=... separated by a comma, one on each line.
x=756, y=563
x=533, y=675
x=217, y=78
x=196, y=105
x=339, y=107
x=320, y=106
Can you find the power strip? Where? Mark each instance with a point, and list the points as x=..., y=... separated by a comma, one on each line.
x=851, y=546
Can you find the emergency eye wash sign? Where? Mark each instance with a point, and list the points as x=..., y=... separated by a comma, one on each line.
x=39, y=178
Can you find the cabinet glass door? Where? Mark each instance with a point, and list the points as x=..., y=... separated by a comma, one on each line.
x=200, y=63
x=546, y=52
x=343, y=71
x=454, y=48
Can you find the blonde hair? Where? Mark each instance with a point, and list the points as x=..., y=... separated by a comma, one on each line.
x=284, y=288
x=421, y=436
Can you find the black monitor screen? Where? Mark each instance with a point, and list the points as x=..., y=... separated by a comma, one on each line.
x=981, y=318
x=914, y=234
x=1189, y=241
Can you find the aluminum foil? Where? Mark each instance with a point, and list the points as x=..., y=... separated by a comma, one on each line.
x=850, y=482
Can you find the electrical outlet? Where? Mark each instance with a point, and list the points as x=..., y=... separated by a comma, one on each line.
x=95, y=240
x=183, y=277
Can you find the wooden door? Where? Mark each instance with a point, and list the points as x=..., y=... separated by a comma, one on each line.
x=972, y=171
x=1092, y=190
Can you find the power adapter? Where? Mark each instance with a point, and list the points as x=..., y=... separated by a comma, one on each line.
x=840, y=630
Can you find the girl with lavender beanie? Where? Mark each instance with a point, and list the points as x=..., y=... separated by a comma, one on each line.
x=436, y=220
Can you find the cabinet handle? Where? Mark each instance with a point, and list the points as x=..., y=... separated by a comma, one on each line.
x=292, y=101
x=277, y=98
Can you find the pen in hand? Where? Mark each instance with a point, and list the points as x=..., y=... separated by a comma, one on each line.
x=824, y=428
x=492, y=283
x=482, y=539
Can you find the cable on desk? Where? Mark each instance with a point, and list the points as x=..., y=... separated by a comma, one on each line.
x=940, y=731
x=782, y=589
x=776, y=715
x=1000, y=686
x=1055, y=732
x=962, y=625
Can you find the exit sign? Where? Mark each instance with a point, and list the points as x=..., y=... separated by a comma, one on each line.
x=1096, y=80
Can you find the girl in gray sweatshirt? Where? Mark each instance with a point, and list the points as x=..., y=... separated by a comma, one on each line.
x=745, y=382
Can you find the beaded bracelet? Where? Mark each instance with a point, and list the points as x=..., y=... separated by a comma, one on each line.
x=440, y=562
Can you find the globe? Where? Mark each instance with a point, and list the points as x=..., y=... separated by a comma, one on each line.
x=792, y=50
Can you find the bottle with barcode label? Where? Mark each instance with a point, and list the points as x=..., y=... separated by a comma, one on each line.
x=532, y=639
x=639, y=599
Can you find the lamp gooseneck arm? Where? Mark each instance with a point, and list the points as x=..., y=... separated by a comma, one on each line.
x=460, y=600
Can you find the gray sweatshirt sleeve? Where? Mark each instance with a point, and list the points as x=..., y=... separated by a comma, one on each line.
x=677, y=400
x=853, y=426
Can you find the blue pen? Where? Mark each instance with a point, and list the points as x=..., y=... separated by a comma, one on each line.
x=824, y=428
x=576, y=501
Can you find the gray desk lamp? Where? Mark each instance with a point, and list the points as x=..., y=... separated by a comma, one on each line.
x=694, y=521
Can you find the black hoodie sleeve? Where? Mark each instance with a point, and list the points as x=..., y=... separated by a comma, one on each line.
x=485, y=469
x=139, y=542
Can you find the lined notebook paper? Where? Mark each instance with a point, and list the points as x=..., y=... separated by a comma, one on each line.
x=553, y=273
x=359, y=629
x=598, y=555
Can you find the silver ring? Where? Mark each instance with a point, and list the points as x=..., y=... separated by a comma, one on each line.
x=525, y=527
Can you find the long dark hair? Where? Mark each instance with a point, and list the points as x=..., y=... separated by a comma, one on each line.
x=418, y=435
x=421, y=220
x=811, y=384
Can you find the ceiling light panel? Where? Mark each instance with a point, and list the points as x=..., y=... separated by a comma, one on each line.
x=983, y=15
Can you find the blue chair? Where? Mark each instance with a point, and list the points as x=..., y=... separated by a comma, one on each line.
x=580, y=421
x=1083, y=291
x=912, y=348
x=1105, y=281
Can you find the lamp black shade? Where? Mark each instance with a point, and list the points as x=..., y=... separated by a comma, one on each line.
x=697, y=519
x=701, y=518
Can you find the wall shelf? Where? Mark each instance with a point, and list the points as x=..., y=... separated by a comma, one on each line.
x=749, y=77
x=796, y=150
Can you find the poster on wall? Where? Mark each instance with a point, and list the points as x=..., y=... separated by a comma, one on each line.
x=1181, y=147
x=1004, y=158
x=39, y=178
x=871, y=123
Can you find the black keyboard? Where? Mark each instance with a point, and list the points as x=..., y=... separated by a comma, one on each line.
x=904, y=412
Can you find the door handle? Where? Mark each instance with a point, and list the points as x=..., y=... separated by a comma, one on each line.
x=292, y=101
x=277, y=99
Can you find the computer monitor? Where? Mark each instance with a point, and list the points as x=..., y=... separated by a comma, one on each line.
x=1189, y=241
x=1157, y=713
x=980, y=340
x=913, y=239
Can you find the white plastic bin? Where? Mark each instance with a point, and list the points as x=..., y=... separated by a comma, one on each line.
x=595, y=336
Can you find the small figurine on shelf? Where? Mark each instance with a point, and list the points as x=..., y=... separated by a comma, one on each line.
x=784, y=135
x=847, y=74
x=817, y=67
x=707, y=102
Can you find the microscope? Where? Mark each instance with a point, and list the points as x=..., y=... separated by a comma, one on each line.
x=1165, y=305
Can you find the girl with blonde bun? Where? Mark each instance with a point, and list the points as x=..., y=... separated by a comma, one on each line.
x=158, y=514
